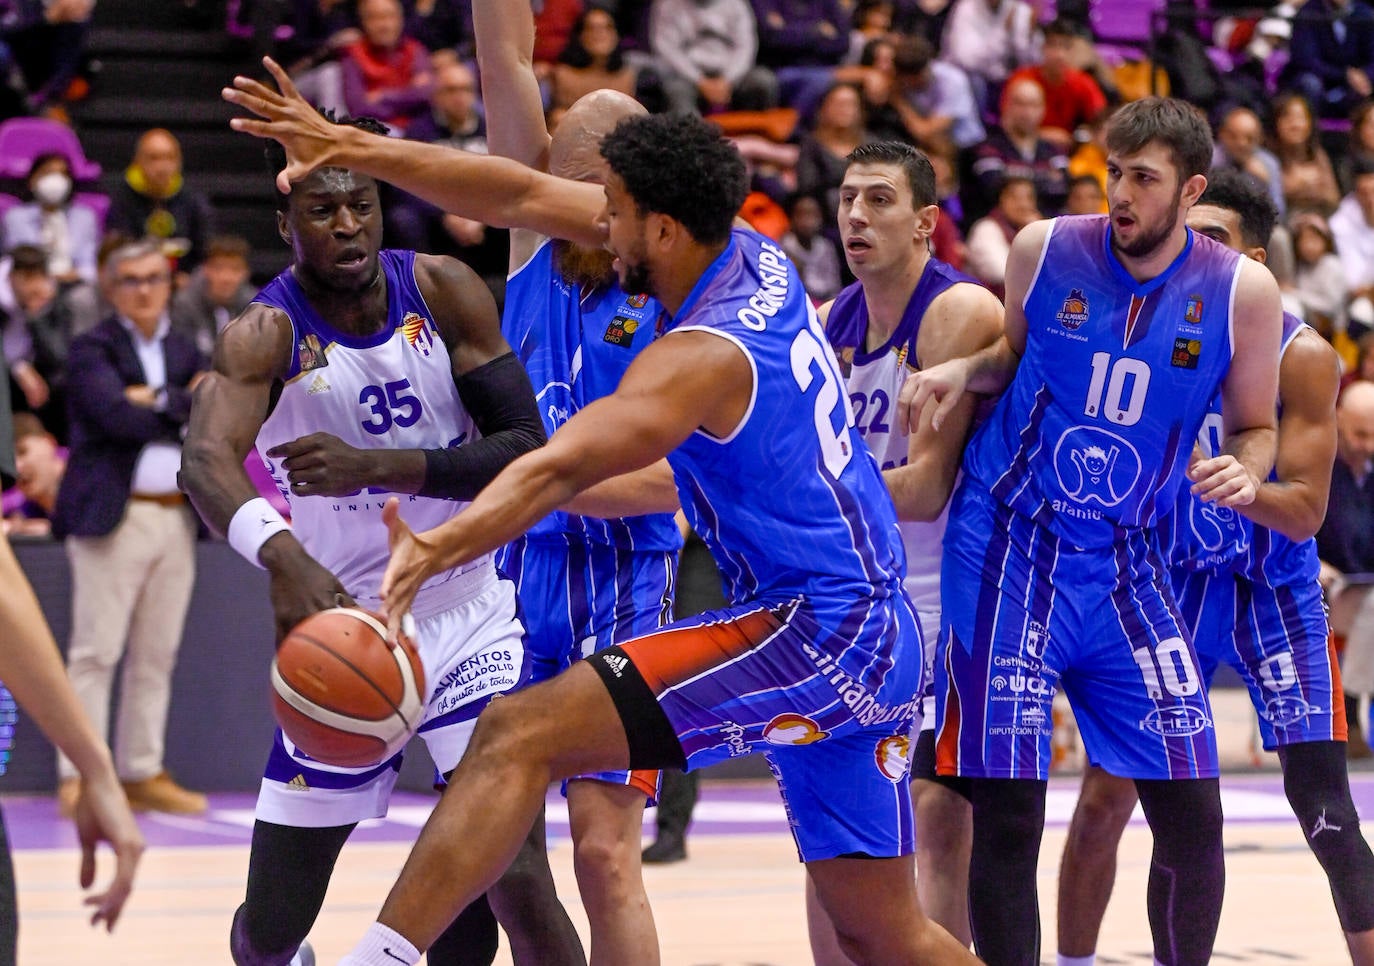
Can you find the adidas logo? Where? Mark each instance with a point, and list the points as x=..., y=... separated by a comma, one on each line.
x=298, y=784
x=318, y=386
x=616, y=663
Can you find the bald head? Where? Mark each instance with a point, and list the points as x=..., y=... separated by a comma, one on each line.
x=1355, y=425
x=575, y=150
x=1023, y=108
x=158, y=155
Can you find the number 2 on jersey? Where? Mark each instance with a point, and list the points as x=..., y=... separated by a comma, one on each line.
x=811, y=357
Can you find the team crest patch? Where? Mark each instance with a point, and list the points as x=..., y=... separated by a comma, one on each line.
x=621, y=331
x=310, y=353
x=845, y=358
x=1074, y=312
x=793, y=729
x=893, y=757
x=415, y=328
x=637, y=301
x=1192, y=310
x=1186, y=353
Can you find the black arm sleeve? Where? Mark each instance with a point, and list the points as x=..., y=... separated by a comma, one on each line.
x=500, y=399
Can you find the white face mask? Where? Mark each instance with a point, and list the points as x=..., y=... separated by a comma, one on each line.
x=52, y=188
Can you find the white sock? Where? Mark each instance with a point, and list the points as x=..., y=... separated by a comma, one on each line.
x=382, y=946
x=1062, y=960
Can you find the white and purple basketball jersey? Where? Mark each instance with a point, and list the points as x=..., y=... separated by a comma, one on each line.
x=391, y=390
x=1095, y=430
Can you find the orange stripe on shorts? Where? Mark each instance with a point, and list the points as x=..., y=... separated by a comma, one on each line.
x=673, y=655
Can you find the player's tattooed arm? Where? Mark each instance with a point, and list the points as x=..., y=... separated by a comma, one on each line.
x=1309, y=380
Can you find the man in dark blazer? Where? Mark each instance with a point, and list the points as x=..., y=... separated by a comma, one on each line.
x=130, y=534
x=1332, y=55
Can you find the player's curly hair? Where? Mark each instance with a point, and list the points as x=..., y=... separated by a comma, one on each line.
x=275, y=154
x=1228, y=188
x=680, y=166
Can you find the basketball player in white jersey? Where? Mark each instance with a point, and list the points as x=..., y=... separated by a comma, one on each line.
x=909, y=311
x=360, y=374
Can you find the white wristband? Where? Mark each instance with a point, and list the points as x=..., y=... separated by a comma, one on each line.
x=254, y=524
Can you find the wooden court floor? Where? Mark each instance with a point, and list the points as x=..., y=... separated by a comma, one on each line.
x=737, y=900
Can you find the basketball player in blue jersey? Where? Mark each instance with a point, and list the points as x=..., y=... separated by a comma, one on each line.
x=906, y=312
x=584, y=583
x=1120, y=330
x=816, y=661
x=361, y=373
x=1249, y=592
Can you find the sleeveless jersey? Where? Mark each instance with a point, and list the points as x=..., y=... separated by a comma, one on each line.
x=874, y=379
x=558, y=333
x=791, y=503
x=391, y=390
x=1207, y=537
x=1095, y=430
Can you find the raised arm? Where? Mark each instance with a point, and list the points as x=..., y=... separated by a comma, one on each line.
x=505, y=58
x=679, y=383
x=1247, y=405
x=989, y=370
x=1309, y=379
x=495, y=191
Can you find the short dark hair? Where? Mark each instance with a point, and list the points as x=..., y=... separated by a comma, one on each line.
x=28, y=258
x=276, y=154
x=1174, y=123
x=912, y=54
x=1230, y=189
x=1063, y=27
x=680, y=166
x=26, y=425
x=1081, y=179
x=919, y=174
x=1360, y=166
x=227, y=246
x=41, y=159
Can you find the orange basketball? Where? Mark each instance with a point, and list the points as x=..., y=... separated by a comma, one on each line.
x=341, y=695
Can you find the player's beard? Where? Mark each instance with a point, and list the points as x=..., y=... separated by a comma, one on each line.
x=1148, y=241
x=588, y=268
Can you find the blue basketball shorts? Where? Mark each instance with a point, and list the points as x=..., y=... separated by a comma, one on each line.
x=472, y=647
x=581, y=597
x=832, y=718
x=1277, y=640
x=1026, y=613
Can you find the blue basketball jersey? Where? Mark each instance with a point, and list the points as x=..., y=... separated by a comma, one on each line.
x=1203, y=536
x=791, y=503
x=576, y=345
x=1095, y=430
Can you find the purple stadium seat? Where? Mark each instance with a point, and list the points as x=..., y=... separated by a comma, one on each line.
x=1123, y=21
x=24, y=138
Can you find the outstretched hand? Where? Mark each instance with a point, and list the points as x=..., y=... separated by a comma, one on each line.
x=288, y=118
x=412, y=562
x=943, y=385
x=102, y=814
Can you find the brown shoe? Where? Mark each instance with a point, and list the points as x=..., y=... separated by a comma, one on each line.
x=68, y=791
x=161, y=794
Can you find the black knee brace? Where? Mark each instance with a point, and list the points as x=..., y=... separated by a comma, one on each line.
x=1318, y=788
x=1187, y=868
x=470, y=940
x=1004, y=908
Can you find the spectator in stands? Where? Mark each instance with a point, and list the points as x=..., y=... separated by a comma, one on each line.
x=946, y=240
x=821, y=159
x=802, y=42
x=1072, y=98
x=386, y=74
x=314, y=31
x=39, y=464
x=48, y=41
x=593, y=59
x=553, y=27
x=1015, y=149
x=988, y=39
x=989, y=239
x=1319, y=280
x=815, y=255
x=1359, y=146
x=1345, y=544
x=1352, y=227
x=1240, y=137
x=130, y=534
x=443, y=26
x=1086, y=196
x=922, y=18
x=154, y=201
x=1331, y=54
x=219, y=290
x=872, y=21
x=705, y=50
x=933, y=100
x=67, y=232
x=36, y=338
x=1308, y=178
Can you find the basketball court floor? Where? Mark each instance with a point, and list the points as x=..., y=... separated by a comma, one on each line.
x=736, y=901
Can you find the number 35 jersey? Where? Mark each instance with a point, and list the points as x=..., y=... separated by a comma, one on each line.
x=1095, y=431
x=391, y=390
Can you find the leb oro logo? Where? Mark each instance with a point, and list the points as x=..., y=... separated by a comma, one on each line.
x=793, y=729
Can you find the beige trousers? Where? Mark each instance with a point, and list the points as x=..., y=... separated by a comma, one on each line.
x=130, y=591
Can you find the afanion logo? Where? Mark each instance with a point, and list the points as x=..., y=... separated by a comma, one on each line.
x=793, y=729
x=1176, y=722
x=415, y=328
x=893, y=757
x=1074, y=312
